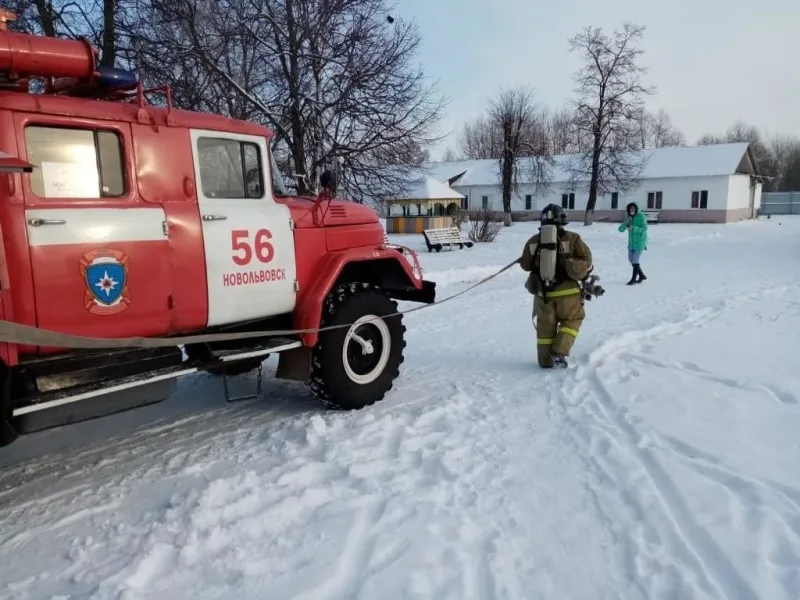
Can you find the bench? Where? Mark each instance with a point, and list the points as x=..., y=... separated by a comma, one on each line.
x=436, y=239
x=651, y=215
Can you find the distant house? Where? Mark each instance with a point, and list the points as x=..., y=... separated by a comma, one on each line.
x=715, y=183
x=429, y=204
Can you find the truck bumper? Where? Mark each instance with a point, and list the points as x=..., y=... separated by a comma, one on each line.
x=425, y=295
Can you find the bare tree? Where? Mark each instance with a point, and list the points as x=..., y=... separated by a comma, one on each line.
x=741, y=132
x=609, y=96
x=480, y=138
x=707, y=139
x=789, y=170
x=664, y=132
x=642, y=125
x=762, y=154
x=778, y=160
x=450, y=155
x=738, y=132
x=50, y=17
x=656, y=130
x=39, y=16
x=514, y=115
x=164, y=52
x=335, y=81
x=559, y=125
x=785, y=151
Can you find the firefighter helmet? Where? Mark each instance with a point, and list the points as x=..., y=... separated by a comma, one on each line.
x=553, y=214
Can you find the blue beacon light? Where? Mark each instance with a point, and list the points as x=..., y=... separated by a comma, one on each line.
x=111, y=78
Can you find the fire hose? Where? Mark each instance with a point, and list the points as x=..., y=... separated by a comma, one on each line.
x=16, y=333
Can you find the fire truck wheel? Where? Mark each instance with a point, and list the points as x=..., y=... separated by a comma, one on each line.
x=353, y=367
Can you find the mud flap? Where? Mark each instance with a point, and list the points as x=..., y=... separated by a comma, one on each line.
x=294, y=364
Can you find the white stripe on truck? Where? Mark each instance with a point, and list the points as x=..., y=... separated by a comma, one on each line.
x=59, y=226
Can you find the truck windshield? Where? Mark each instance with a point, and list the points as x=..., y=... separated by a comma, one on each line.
x=278, y=186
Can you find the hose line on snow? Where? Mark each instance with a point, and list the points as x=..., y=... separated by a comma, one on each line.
x=15, y=333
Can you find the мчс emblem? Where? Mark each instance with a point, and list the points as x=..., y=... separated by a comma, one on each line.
x=105, y=273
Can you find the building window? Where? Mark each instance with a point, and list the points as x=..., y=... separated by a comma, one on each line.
x=700, y=199
x=230, y=168
x=654, y=200
x=614, y=200
x=485, y=202
x=75, y=163
x=528, y=202
x=568, y=201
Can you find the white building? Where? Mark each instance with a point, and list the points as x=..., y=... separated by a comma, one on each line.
x=713, y=183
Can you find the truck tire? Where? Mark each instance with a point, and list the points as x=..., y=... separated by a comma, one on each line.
x=344, y=374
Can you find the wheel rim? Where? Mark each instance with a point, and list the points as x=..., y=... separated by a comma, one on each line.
x=365, y=367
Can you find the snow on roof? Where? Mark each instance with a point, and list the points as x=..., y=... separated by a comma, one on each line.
x=429, y=188
x=663, y=163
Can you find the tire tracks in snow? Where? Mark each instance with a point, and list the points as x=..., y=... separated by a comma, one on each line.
x=442, y=469
x=776, y=393
x=716, y=566
x=646, y=571
x=189, y=437
x=769, y=509
x=568, y=416
x=545, y=508
x=340, y=495
x=600, y=426
x=357, y=552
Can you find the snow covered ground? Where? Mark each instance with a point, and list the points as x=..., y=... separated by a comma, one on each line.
x=665, y=465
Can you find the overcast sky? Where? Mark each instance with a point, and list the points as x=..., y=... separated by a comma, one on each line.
x=712, y=61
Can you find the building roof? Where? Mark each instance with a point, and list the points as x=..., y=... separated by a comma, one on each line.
x=662, y=163
x=429, y=188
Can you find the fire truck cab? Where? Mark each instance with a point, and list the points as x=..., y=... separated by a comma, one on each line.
x=122, y=219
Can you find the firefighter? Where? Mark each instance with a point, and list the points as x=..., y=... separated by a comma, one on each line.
x=557, y=260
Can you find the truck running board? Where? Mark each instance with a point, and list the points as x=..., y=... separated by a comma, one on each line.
x=126, y=392
x=270, y=346
x=99, y=389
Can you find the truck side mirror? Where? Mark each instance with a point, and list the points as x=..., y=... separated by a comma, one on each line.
x=328, y=181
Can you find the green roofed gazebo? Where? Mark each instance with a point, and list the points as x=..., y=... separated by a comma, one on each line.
x=430, y=204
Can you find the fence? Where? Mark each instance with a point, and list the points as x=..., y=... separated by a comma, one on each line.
x=780, y=203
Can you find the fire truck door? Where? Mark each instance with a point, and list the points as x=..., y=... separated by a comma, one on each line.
x=248, y=238
x=100, y=257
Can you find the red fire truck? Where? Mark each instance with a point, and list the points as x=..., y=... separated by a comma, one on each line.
x=120, y=218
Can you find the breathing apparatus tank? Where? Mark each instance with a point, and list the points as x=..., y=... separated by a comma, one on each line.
x=552, y=218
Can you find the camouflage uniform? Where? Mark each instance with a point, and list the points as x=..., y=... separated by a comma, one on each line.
x=559, y=313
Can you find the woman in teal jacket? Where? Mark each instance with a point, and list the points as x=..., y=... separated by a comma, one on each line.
x=636, y=224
